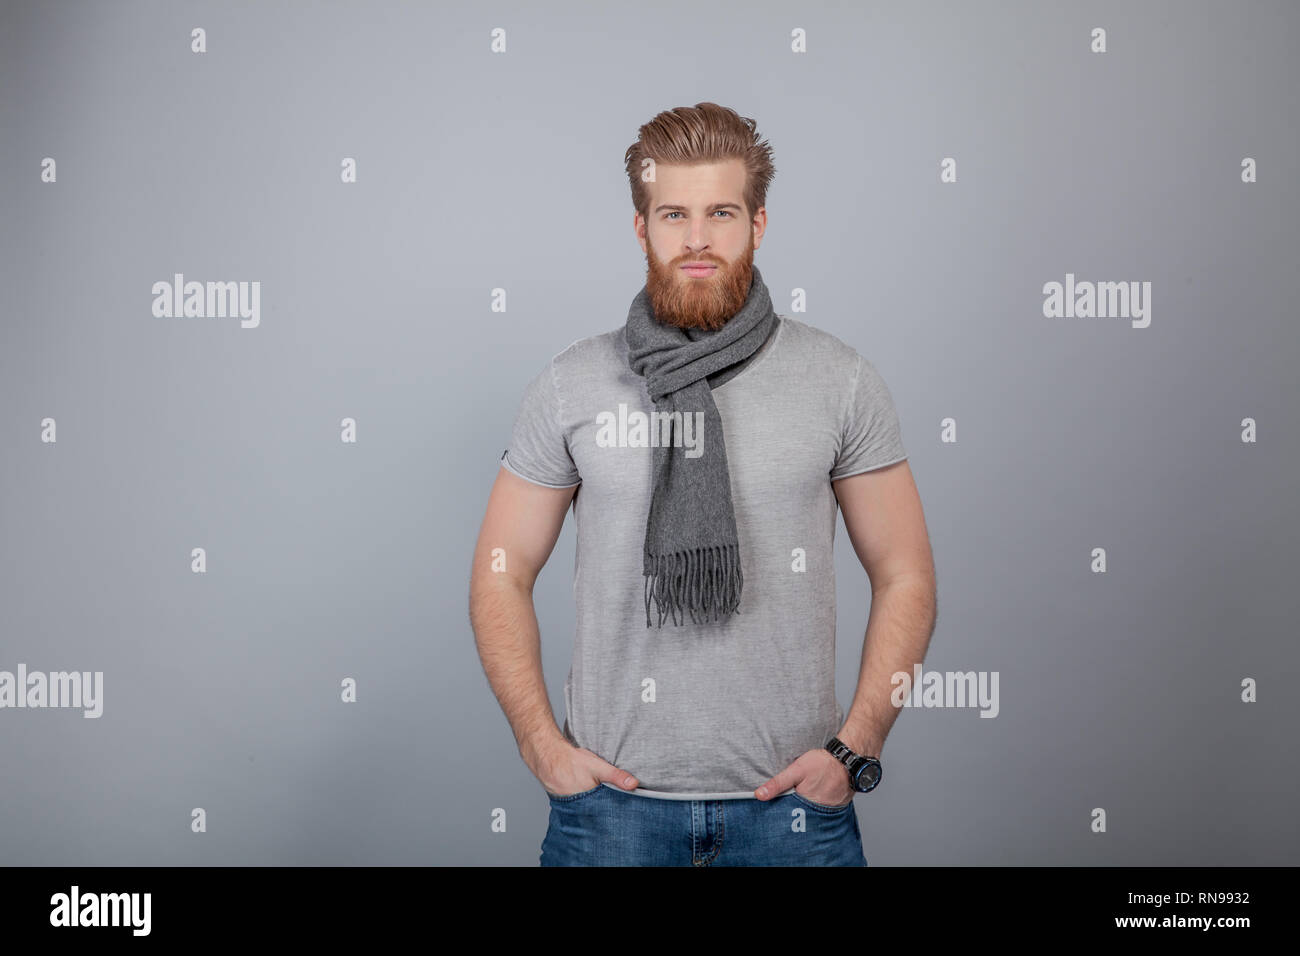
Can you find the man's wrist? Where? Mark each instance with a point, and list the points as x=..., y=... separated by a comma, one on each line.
x=858, y=743
x=539, y=743
x=861, y=768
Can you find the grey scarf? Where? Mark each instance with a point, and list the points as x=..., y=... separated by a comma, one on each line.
x=692, y=556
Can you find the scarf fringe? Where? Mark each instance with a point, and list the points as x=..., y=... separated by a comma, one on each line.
x=703, y=582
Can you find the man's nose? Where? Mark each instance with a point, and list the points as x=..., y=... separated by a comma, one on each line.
x=697, y=240
x=697, y=235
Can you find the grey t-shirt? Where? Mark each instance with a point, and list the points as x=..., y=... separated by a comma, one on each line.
x=708, y=710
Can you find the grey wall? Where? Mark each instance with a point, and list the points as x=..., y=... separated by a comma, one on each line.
x=325, y=560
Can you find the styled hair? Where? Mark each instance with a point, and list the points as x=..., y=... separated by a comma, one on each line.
x=703, y=133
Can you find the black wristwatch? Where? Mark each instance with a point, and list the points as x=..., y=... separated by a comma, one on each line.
x=864, y=772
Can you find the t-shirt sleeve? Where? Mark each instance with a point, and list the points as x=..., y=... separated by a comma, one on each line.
x=539, y=451
x=871, y=437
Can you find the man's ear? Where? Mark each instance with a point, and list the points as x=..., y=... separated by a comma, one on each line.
x=638, y=228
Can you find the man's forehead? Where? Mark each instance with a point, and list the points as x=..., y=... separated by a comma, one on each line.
x=706, y=183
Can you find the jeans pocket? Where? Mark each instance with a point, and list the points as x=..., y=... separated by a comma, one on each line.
x=570, y=797
x=820, y=807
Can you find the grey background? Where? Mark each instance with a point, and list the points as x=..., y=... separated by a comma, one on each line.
x=476, y=171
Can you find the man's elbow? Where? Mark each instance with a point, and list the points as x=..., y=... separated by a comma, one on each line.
x=489, y=590
x=918, y=582
x=912, y=575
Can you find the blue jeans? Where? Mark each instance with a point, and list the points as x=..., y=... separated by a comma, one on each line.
x=606, y=826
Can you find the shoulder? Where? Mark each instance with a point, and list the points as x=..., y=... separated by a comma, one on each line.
x=817, y=349
x=591, y=353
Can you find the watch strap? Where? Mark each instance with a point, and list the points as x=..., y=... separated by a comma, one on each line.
x=839, y=750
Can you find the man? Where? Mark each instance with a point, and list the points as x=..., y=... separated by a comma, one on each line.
x=705, y=445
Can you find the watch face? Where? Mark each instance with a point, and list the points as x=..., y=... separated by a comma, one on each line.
x=868, y=776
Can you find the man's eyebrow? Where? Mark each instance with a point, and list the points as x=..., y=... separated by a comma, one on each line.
x=717, y=205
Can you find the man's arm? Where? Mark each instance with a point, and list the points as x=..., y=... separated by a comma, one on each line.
x=883, y=516
x=882, y=511
x=523, y=520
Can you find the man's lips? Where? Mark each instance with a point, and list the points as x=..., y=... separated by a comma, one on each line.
x=699, y=271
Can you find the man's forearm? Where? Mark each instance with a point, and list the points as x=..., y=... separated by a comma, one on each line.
x=509, y=646
x=898, y=634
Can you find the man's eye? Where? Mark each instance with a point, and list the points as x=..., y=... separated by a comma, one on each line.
x=725, y=212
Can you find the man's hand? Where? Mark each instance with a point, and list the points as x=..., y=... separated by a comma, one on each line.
x=563, y=769
x=816, y=775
